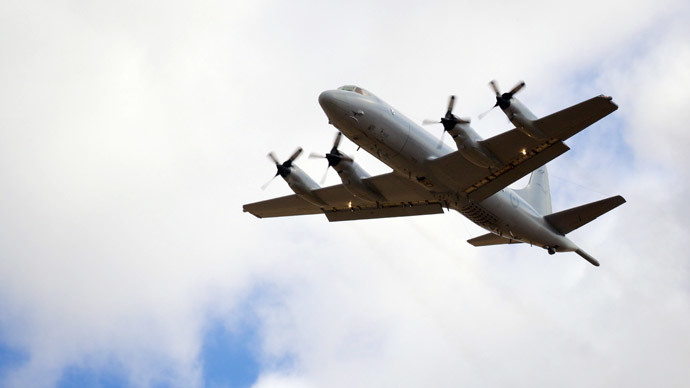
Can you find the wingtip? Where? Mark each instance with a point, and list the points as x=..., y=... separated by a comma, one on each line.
x=618, y=201
x=610, y=100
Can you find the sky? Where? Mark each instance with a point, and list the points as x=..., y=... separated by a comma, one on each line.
x=131, y=133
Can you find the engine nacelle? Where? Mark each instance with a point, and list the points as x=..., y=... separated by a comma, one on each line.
x=352, y=176
x=303, y=186
x=523, y=119
x=470, y=146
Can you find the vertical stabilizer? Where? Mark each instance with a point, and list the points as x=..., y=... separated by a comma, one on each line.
x=537, y=192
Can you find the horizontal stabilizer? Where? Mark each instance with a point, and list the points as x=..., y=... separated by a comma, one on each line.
x=491, y=239
x=568, y=220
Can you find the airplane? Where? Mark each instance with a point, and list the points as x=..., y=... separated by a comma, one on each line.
x=429, y=176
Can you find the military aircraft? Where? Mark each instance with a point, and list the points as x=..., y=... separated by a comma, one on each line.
x=429, y=176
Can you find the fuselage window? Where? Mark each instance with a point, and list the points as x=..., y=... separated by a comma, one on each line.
x=356, y=89
x=361, y=91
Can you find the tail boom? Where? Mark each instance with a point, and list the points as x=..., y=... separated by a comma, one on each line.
x=587, y=257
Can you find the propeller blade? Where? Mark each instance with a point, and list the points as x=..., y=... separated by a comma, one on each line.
x=430, y=121
x=440, y=143
x=273, y=157
x=463, y=120
x=314, y=155
x=494, y=86
x=451, y=104
x=517, y=88
x=265, y=185
x=481, y=116
x=325, y=174
x=336, y=143
x=295, y=154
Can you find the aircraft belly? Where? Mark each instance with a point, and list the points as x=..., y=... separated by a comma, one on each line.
x=513, y=220
x=510, y=220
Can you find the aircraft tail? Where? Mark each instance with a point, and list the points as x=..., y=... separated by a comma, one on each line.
x=537, y=192
x=568, y=220
x=587, y=257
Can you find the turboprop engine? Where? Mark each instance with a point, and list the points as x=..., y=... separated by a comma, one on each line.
x=297, y=179
x=467, y=140
x=350, y=173
x=517, y=113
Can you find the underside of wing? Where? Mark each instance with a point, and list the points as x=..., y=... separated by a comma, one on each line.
x=558, y=126
x=477, y=184
x=404, y=198
x=491, y=239
x=569, y=121
x=290, y=205
x=519, y=153
x=387, y=211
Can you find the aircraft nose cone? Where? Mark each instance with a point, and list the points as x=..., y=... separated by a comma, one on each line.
x=333, y=104
x=327, y=100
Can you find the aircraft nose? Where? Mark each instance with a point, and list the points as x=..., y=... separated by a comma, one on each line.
x=327, y=99
x=330, y=103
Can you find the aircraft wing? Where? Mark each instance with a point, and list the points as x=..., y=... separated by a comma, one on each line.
x=290, y=205
x=519, y=153
x=476, y=183
x=557, y=126
x=491, y=239
x=404, y=198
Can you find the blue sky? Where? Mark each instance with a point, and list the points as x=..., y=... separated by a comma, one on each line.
x=230, y=358
x=132, y=133
x=11, y=358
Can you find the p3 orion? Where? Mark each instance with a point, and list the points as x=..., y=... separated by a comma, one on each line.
x=429, y=176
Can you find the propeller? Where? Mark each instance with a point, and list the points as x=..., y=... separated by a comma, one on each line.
x=284, y=168
x=449, y=121
x=502, y=100
x=334, y=156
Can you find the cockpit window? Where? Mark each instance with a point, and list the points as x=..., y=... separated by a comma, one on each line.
x=356, y=89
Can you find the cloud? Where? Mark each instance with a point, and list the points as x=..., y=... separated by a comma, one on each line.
x=132, y=133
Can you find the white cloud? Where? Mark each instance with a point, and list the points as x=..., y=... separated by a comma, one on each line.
x=132, y=133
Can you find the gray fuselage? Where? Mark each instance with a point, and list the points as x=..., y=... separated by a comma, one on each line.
x=406, y=148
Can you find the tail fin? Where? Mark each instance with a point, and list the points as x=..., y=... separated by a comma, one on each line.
x=537, y=192
x=571, y=219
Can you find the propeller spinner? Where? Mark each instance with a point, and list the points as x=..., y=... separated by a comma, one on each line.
x=449, y=121
x=284, y=168
x=334, y=157
x=502, y=99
